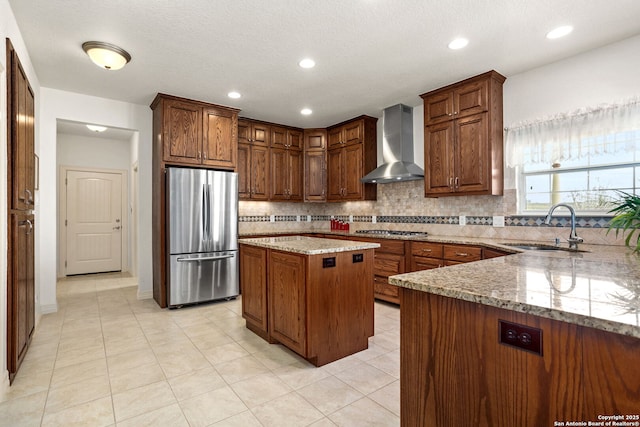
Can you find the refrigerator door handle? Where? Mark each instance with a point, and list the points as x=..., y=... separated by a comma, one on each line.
x=208, y=191
x=205, y=211
x=206, y=258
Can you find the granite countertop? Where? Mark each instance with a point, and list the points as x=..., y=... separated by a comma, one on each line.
x=308, y=245
x=598, y=288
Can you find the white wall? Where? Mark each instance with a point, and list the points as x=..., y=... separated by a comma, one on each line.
x=9, y=28
x=63, y=105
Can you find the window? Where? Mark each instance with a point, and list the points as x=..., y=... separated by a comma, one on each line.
x=582, y=159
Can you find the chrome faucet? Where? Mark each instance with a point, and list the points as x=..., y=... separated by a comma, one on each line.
x=573, y=237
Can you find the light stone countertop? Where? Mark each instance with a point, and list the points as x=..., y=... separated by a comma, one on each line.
x=598, y=288
x=308, y=245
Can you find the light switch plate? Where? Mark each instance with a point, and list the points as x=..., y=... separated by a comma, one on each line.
x=462, y=220
x=272, y=218
x=297, y=218
x=498, y=220
x=308, y=218
x=350, y=218
x=374, y=219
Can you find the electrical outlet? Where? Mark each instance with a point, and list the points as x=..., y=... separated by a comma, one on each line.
x=498, y=220
x=520, y=336
x=297, y=218
x=272, y=218
x=350, y=218
x=462, y=220
x=374, y=219
x=308, y=218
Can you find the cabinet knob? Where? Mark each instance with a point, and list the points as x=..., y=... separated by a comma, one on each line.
x=457, y=182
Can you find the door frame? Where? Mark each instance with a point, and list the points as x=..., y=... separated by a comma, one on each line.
x=62, y=209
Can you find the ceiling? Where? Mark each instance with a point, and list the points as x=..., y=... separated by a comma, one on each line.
x=81, y=129
x=369, y=53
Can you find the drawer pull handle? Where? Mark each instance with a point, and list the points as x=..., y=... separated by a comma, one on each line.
x=462, y=254
x=426, y=250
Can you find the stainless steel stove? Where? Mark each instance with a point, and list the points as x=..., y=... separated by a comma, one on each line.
x=393, y=233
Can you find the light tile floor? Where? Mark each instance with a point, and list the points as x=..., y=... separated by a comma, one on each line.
x=106, y=358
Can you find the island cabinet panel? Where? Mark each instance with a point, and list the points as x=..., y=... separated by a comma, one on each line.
x=455, y=371
x=287, y=302
x=253, y=286
x=333, y=302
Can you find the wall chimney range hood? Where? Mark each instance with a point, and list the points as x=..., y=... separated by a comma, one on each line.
x=397, y=148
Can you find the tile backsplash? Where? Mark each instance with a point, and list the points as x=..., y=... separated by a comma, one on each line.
x=402, y=206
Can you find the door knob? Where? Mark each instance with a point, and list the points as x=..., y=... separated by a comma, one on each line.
x=116, y=228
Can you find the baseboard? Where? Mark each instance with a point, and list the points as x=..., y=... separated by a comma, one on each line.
x=49, y=308
x=145, y=294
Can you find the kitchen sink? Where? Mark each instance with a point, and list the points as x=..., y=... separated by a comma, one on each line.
x=540, y=247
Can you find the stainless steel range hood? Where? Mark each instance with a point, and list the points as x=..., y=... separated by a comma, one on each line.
x=397, y=148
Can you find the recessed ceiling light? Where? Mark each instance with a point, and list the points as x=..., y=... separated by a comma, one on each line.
x=96, y=128
x=556, y=33
x=306, y=111
x=458, y=43
x=234, y=95
x=307, y=63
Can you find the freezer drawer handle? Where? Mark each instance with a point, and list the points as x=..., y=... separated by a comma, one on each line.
x=207, y=258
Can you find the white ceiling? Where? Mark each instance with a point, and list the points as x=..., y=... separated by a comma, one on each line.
x=369, y=53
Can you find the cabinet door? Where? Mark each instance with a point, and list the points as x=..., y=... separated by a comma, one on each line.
x=21, y=159
x=259, y=173
x=279, y=174
x=438, y=154
x=260, y=134
x=220, y=144
x=278, y=137
x=244, y=171
x=296, y=175
x=182, y=130
x=353, y=132
x=21, y=303
x=335, y=172
x=294, y=139
x=286, y=296
x=335, y=137
x=315, y=139
x=471, y=98
x=253, y=285
x=354, y=170
x=473, y=171
x=244, y=131
x=419, y=263
x=438, y=108
x=315, y=179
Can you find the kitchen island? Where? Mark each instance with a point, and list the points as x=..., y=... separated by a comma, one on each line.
x=313, y=295
x=540, y=338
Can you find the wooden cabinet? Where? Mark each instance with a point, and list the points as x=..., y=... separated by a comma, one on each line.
x=196, y=133
x=287, y=300
x=253, y=160
x=351, y=155
x=320, y=306
x=315, y=165
x=463, y=138
x=287, y=165
x=426, y=255
x=451, y=352
x=253, y=287
x=20, y=219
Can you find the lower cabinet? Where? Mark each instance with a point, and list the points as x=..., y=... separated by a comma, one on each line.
x=20, y=290
x=319, y=306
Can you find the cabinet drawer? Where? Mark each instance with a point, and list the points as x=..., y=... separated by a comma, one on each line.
x=462, y=253
x=382, y=287
x=423, y=249
x=419, y=263
x=386, y=265
x=390, y=246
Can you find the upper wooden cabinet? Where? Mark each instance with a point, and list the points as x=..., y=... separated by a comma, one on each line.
x=253, y=160
x=252, y=132
x=463, y=145
x=196, y=133
x=286, y=175
x=315, y=165
x=351, y=154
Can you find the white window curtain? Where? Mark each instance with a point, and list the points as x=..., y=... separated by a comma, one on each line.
x=575, y=135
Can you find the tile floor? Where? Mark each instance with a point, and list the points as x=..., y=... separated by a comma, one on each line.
x=108, y=359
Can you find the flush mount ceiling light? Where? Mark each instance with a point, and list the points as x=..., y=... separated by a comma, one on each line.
x=105, y=55
x=458, y=43
x=96, y=128
x=234, y=95
x=307, y=63
x=306, y=111
x=556, y=33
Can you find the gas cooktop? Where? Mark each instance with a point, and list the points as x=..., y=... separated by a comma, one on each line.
x=393, y=232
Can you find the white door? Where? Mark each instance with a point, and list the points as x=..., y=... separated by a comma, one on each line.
x=94, y=222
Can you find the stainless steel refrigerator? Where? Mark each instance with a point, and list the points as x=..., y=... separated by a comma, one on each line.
x=202, y=228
